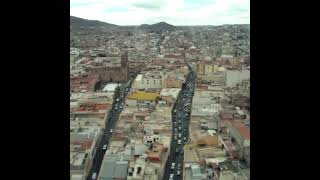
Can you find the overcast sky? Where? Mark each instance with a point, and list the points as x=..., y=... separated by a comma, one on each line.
x=175, y=12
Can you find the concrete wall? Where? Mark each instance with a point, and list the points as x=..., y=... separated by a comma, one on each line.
x=217, y=79
x=131, y=103
x=148, y=83
x=208, y=69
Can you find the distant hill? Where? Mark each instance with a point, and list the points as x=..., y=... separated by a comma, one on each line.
x=76, y=22
x=161, y=26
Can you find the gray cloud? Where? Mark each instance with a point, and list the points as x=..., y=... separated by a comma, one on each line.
x=147, y=6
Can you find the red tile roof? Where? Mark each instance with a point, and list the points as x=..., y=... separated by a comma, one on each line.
x=243, y=130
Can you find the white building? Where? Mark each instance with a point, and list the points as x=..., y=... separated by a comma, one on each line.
x=144, y=81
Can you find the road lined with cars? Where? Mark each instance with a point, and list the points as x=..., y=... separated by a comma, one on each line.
x=113, y=115
x=180, y=126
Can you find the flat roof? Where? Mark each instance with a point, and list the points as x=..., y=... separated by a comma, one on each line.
x=76, y=177
x=174, y=92
x=110, y=87
x=113, y=169
x=142, y=95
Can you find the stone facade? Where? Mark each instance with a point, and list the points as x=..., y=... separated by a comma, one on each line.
x=114, y=74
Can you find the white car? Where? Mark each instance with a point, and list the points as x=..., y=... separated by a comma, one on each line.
x=104, y=147
x=111, y=130
x=171, y=177
x=94, y=176
x=178, y=172
x=173, y=165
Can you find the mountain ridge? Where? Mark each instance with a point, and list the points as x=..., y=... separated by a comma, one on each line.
x=80, y=22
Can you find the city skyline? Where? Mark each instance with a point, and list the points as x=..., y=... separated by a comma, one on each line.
x=178, y=12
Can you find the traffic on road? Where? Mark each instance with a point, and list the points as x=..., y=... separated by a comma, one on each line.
x=102, y=145
x=180, y=127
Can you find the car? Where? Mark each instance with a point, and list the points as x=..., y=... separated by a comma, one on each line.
x=175, y=138
x=104, y=147
x=111, y=130
x=179, y=135
x=94, y=175
x=173, y=165
x=179, y=141
x=178, y=172
x=116, y=108
x=179, y=166
x=179, y=127
x=171, y=177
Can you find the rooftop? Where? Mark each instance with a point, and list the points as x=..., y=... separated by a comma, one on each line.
x=142, y=95
x=110, y=87
x=113, y=169
x=174, y=92
x=243, y=130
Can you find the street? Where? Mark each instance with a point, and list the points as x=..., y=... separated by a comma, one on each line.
x=180, y=135
x=102, y=146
